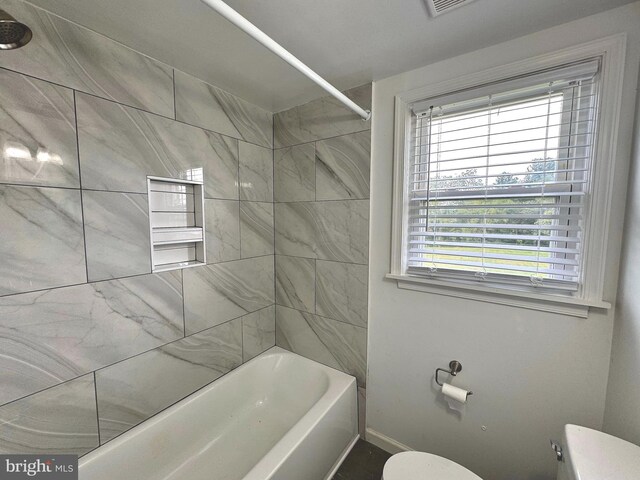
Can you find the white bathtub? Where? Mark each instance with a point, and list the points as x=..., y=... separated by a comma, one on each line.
x=279, y=416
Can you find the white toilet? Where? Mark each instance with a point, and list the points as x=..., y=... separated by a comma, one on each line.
x=585, y=454
x=592, y=455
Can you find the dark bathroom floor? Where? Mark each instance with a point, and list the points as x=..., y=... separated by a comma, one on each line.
x=364, y=462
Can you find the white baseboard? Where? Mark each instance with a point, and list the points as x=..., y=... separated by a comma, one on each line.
x=386, y=443
x=346, y=452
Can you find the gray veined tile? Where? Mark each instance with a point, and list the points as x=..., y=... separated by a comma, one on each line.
x=120, y=146
x=342, y=167
x=117, y=234
x=51, y=336
x=206, y=106
x=342, y=292
x=256, y=229
x=342, y=229
x=222, y=223
x=70, y=55
x=295, y=173
x=37, y=133
x=256, y=173
x=214, y=294
x=131, y=391
x=258, y=332
x=296, y=282
x=41, y=241
x=332, y=230
x=295, y=229
x=336, y=344
x=322, y=118
x=60, y=420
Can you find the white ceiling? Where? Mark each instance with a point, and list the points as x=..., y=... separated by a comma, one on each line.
x=349, y=42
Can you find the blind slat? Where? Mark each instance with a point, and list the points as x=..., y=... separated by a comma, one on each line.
x=501, y=266
x=529, y=118
x=494, y=236
x=498, y=247
x=505, y=277
x=497, y=256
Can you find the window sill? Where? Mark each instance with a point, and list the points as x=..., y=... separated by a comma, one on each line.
x=485, y=293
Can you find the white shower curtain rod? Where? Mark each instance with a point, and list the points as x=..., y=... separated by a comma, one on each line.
x=239, y=21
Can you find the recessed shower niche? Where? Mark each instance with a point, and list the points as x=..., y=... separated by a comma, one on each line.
x=176, y=221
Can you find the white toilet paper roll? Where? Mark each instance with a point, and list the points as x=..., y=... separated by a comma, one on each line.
x=455, y=393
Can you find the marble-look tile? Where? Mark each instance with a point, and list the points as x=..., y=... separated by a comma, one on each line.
x=258, y=332
x=342, y=291
x=65, y=53
x=214, y=294
x=131, y=391
x=256, y=173
x=343, y=231
x=333, y=343
x=295, y=229
x=295, y=173
x=322, y=118
x=256, y=229
x=51, y=336
x=222, y=223
x=41, y=241
x=60, y=420
x=206, y=106
x=342, y=167
x=37, y=133
x=332, y=230
x=117, y=234
x=296, y=282
x=135, y=144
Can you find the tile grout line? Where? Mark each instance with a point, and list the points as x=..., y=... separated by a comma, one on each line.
x=184, y=317
x=116, y=279
x=175, y=109
x=23, y=397
x=95, y=390
x=321, y=139
x=127, y=192
x=140, y=109
x=324, y=317
x=84, y=229
x=173, y=403
x=273, y=209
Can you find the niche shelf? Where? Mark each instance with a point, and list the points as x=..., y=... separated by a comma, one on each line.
x=176, y=223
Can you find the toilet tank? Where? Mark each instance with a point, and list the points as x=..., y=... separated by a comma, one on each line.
x=592, y=455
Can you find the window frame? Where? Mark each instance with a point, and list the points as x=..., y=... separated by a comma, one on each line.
x=611, y=53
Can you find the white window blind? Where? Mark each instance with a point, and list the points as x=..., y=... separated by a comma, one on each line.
x=498, y=180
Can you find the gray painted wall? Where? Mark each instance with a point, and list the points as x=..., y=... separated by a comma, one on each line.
x=531, y=372
x=622, y=414
x=92, y=343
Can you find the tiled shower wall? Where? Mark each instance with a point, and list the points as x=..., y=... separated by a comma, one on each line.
x=321, y=188
x=92, y=342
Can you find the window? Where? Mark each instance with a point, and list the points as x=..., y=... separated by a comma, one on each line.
x=503, y=181
x=497, y=183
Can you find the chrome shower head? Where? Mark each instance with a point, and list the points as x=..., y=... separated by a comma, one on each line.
x=13, y=34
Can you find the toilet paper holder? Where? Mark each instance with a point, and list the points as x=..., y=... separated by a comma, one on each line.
x=455, y=367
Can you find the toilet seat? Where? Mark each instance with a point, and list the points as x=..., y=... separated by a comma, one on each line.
x=424, y=466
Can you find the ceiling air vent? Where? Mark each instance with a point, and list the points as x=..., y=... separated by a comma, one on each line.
x=438, y=7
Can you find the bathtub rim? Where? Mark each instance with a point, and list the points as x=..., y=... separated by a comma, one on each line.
x=345, y=381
